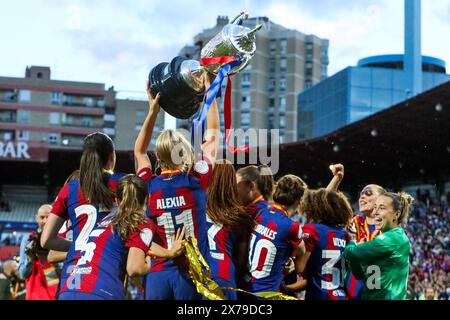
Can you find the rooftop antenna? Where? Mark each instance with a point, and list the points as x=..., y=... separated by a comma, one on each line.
x=413, y=46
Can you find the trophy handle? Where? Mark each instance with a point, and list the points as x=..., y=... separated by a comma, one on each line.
x=252, y=32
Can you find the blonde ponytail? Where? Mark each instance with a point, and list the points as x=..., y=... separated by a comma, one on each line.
x=174, y=151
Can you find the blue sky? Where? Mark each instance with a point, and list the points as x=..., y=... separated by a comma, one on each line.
x=117, y=42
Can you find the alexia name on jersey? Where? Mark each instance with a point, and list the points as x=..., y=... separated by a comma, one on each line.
x=169, y=203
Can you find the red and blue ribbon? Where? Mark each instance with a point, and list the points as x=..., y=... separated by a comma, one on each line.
x=199, y=121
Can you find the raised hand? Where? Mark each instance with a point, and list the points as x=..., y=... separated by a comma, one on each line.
x=153, y=103
x=337, y=170
x=351, y=229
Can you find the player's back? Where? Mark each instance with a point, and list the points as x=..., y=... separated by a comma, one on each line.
x=177, y=199
x=272, y=243
x=325, y=269
x=71, y=204
x=101, y=268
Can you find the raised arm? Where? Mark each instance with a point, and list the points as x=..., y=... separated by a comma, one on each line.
x=56, y=256
x=301, y=258
x=145, y=135
x=138, y=263
x=212, y=137
x=338, y=176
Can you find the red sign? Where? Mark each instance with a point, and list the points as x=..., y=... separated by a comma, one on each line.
x=23, y=151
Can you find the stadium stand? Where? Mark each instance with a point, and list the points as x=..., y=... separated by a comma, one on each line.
x=429, y=232
x=23, y=202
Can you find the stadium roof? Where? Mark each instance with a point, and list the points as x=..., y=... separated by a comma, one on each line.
x=407, y=143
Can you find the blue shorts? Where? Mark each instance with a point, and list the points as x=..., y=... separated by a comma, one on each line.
x=79, y=296
x=170, y=285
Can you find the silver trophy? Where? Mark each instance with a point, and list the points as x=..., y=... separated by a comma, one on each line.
x=180, y=82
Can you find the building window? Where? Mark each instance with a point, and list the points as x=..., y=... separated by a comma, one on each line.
x=308, y=84
x=110, y=131
x=282, y=84
x=87, y=122
x=245, y=119
x=273, y=46
x=53, y=139
x=246, y=78
x=25, y=95
x=140, y=117
x=56, y=97
x=7, y=135
x=271, y=102
x=246, y=99
x=23, y=135
x=54, y=117
x=101, y=103
x=88, y=102
x=68, y=100
x=272, y=65
x=282, y=122
x=8, y=116
x=8, y=96
x=283, y=46
x=323, y=71
x=109, y=118
x=23, y=116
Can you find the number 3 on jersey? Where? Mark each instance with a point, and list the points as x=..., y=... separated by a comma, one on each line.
x=329, y=268
x=184, y=219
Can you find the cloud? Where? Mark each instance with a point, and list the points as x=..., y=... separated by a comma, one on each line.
x=117, y=42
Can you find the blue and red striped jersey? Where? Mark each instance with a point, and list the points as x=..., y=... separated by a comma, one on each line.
x=325, y=269
x=272, y=243
x=71, y=204
x=222, y=243
x=178, y=199
x=101, y=267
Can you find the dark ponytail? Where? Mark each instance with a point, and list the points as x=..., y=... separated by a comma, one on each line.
x=97, y=149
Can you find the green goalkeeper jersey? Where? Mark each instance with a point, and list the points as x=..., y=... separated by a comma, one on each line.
x=383, y=263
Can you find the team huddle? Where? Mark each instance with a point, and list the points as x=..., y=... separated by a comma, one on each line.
x=136, y=226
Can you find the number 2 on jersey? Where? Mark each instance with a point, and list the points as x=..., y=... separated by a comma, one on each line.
x=91, y=213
